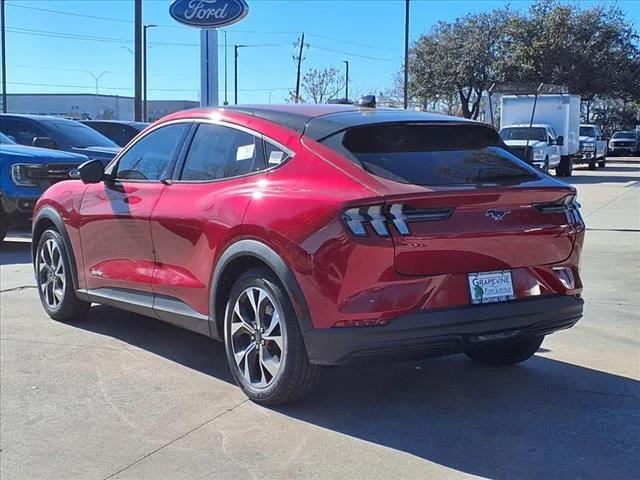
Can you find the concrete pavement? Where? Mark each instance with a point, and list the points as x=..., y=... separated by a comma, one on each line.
x=123, y=396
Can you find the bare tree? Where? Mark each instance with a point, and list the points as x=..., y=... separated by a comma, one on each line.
x=319, y=85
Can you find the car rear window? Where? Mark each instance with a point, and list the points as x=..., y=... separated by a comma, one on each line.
x=432, y=154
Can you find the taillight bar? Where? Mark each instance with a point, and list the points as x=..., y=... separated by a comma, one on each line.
x=568, y=205
x=382, y=217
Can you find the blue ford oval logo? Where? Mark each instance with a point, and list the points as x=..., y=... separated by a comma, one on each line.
x=208, y=13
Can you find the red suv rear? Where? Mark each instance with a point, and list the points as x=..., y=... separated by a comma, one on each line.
x=318, y=235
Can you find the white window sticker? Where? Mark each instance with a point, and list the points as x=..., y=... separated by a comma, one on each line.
x=245, y=152
x=275, y=157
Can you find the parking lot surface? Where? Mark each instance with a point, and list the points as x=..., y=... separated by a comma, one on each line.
x=123, y=396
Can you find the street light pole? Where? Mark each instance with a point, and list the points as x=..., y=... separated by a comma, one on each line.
x=4, y=58
x=406, y=54
x=346, y=83
x=225, y=67
x=235, y=70
x=144, y=70
x=137, y=38
x=97, y=78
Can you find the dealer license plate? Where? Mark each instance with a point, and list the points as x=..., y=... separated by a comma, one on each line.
x=490, y=287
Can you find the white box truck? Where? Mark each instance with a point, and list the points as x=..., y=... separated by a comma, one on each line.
x=553, y=139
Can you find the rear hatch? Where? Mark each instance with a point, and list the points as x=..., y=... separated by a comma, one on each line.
x=456, y=201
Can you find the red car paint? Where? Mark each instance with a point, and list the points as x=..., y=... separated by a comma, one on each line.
x=167, y=238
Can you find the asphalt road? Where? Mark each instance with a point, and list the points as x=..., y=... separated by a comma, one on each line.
x=124, y=396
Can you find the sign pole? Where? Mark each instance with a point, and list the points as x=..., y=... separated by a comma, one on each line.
x=209, y=67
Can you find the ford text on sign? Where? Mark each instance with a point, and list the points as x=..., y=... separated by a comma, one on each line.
x=208, y=13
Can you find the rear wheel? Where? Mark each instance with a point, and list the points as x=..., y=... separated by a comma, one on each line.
x=264, y=345
x=55, y=284
x=565, y=167
x=4, y=224
x=508, y=353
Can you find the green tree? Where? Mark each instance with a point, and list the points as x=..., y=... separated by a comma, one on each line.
x=460, y=59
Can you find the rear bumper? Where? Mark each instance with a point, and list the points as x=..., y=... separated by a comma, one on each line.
x=444, y=332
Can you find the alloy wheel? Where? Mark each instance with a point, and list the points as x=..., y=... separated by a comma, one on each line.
x=51, y=275
x=257, y=335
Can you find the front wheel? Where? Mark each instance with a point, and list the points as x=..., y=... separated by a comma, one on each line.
x=565, y=167
x=263, y=341
x=508, y=353
x=55, y=283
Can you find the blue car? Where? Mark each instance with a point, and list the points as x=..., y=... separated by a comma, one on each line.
x=26, y=172
x=58, y=134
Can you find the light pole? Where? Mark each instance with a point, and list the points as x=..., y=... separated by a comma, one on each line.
x=235, y=70
x=406, y=54
x=144, y=70
x=4, y=58
x=226, y=102
x=97, y=78
x=346, y=83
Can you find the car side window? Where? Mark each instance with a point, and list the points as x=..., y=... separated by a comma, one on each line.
x=150, y=158
x=274, y=155
x=23, y=132
x=218, y=152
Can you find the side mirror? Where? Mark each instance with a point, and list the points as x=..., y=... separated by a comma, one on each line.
x=44, y=142
x=560, y=140
x=91, y=171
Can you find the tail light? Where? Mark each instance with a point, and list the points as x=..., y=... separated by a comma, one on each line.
x=384, y=219
x=568, y=205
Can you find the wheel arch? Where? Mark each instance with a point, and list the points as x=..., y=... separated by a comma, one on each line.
x=47, y=218
x=239, y=257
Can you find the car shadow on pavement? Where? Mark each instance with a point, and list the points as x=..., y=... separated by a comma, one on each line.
x=541, y=419
x=593, y=179
x=12, y=253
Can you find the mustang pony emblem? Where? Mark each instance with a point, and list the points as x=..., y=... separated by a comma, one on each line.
x=497, y=214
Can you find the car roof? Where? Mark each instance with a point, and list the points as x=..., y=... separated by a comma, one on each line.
x=318, y=121
x=40, y=118
x=119, y=122
x=526, y=125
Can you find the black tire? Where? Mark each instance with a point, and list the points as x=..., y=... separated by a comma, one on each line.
x=296, y=375
x=592, y=165
x=508, y=353
x=69, y=307
x=602, y=163
x=546, y=164
x=4, y=225
x=565, y=167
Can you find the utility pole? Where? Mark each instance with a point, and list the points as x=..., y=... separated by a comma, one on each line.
x=144, y=71
x=406, y=54
x=225, y=67
x=346, y=83
x=4, y=58
x=97, y=78
x=137, y=36
x=297, y=99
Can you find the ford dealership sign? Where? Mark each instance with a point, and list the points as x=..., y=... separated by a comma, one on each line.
x=208, y=13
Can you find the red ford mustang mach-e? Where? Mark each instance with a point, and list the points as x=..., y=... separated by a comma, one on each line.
x=304, y=236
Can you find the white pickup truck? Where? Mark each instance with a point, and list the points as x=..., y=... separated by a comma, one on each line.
x=538, y=143
x=593, y=147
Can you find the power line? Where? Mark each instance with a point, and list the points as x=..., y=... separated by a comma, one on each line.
x=351, y=54
x=131, y=89
x=268, y=32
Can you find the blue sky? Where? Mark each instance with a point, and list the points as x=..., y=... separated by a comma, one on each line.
x=52, y=52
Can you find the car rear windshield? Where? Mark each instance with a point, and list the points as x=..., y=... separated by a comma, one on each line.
x=432, y=154
x=79, y=135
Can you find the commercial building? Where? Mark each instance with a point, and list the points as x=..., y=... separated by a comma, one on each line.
x=90, y=106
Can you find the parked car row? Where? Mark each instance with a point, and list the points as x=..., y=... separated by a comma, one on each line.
x=37, y=151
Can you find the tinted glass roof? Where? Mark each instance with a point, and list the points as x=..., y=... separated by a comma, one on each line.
x=320, y=121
